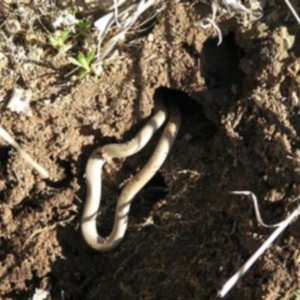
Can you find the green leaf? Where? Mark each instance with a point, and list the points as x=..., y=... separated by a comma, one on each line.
x=83, y=26
x=91, y=56
x=74, y=11
x=74, y=61
x=53, y=42
x=64, y=35
x=58, y=41
x=83, y=73
x=82, y=60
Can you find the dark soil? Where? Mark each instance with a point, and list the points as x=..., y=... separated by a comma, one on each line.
x=187, y=234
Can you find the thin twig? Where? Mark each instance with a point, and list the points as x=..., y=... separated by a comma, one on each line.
x=282, y=226
x=256, y=208
x=104, y=24
x=208, y=22
x=292, y=9
x=53, y=226
x=9, y=139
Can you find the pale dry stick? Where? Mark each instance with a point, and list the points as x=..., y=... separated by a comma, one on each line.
x=234, y=5
x=142, y=6
x=256, y=208
x=233, y=280
x=116, y=4
x=237, y=6
x=94, y=167
x=293, y=11
x=105, y=23
x=50, y=227
x=208, y=22
x=9, y=139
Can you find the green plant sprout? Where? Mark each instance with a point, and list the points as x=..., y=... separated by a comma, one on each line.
x=83, y=62
x=59, y=41
x=73, y=11
x=83, y=26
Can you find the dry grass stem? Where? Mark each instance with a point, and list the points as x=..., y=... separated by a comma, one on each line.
x=9, y=139
x=105, y=23
x=292, y=9
x=53, y=226
x=257, y=212
x=260, y=251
